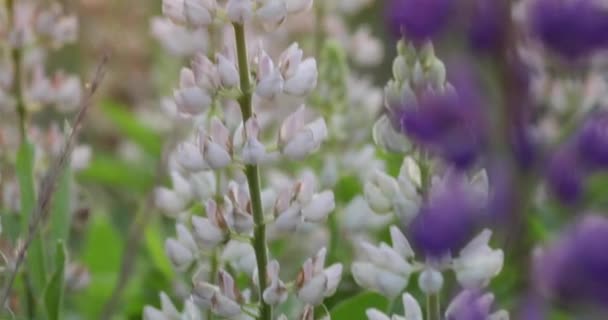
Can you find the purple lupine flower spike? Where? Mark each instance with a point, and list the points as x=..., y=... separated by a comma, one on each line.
x=572, y=29
x=447, y=221
x=418, y=20
x=487, y=30
x=470, y=305
x=451, y=123
x=592, y=141
x=574, y=269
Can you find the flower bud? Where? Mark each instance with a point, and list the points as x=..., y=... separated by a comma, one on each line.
x=269, y=78
x=216, y=146
x=411, y=307
x=297, y=140
x=169, y=201
x=189, y=156
x=181, y=257
x=304, y=80
x=436, y=73
x=206, y=74
x=478, y=263
x=276, y=292
x=206, y=233
x=386, y=137
x=191, y=101
x=401, y=71
x=239, y=11
x=151, y=313
x=314, y=283
x=430, y=281
x=229, y=75
x=319, y=207
x=174, y=10
x=253, y=152
x=272, y=14
x=199, y=13
x=380, y=191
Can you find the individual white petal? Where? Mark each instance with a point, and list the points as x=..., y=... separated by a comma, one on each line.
x=289, y=219
x=243, y=221
x=304, y=80
x=254, y=152
x=375, y=314
x=390, y=284
x=169, y=201
x=181, y=257
x=239, y=11
x=225, y=307
x=151, y=313
x=377, y=200
x=292, y=125
x=206, y=74
x=400, y=243
x=319, y=207
x=185, y=237
x=306, y=141
x=272, y=14
x=365, y=274
x=206, y=233
x=410, y=171
x=312, y=291
x=290, y=60
x=411, y=307
x=174, y=10
x=203, y=293
x=199, y=13
x=216, y=156
x=387, y=137
x=192, y=100
x=168, y=307
x=229, y=75
x=334, y=275
x=189, y=157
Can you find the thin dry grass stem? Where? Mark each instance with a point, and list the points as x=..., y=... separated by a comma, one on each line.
x=49, y=182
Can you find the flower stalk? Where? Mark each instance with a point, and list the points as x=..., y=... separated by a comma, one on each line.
x=252, y=172
x=433, y=307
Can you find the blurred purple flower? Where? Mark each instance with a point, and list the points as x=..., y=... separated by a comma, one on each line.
x=449, y=124
x=447, y=221
x=592, y=140
x=418, y=20
x=470, y=305
x=487, y=31
x=565, y=176
x=573, y=29
x=574, y=269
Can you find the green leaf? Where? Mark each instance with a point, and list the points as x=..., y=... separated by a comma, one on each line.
x=53, y=294
x=61, y=213
x=129, y=125
x=354, y=308
x=102, y=252
x=35, y=263
x=106, y=170
x=25, y=176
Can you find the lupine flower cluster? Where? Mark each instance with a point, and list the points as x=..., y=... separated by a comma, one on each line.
x=301, y=159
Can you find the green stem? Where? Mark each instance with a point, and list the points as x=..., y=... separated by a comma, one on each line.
x=433, y=307
x=252, y=172
x=16, y=59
